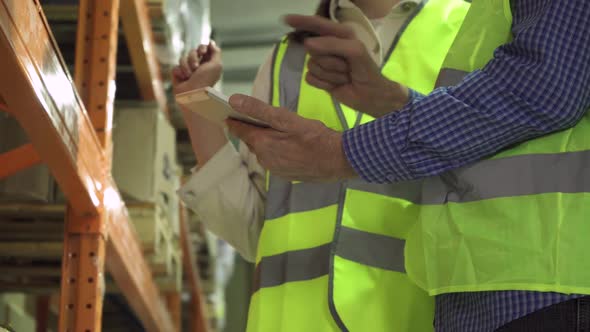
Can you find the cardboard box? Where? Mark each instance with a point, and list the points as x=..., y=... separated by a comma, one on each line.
x=144, y=155
x=152, y=227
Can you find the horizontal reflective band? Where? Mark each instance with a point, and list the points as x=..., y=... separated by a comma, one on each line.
x=292, y=266
x=408, y=190
x=450, y=77
x=361, y=247
x=371, y=249
x=512, y=176
x=285, y=197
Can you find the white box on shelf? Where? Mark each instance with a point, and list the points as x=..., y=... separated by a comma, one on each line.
x=144, y=154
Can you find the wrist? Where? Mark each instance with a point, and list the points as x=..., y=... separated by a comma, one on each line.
x=338, y=166
x=395, y=97
x=206, y=137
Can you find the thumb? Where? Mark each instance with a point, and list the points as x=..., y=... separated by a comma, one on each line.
x=214, y=51
x=278, y=118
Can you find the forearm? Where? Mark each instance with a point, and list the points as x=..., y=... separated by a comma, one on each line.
x=206, y=137
x=449, y=129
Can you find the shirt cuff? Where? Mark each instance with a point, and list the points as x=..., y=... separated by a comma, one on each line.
x=373, y=151
x=225, y=162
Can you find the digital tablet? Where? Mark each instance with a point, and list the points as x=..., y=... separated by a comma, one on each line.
x=213, y=106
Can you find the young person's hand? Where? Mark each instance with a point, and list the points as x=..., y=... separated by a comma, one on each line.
x=202, y=67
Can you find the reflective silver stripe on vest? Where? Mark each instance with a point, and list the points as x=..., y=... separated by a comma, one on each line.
x=512, y=176
x=300, y=265
x=290, y=76
x=286, y=197
x=495, y=178
x=279, y=202
x=407, y=190
x=371, y=249
x=450, y=77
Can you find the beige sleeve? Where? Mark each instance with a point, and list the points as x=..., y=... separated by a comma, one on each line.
x=228, y=193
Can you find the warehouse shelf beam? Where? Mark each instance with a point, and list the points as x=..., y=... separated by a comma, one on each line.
x=39, y=91
x=18, y=159
x=140, y=43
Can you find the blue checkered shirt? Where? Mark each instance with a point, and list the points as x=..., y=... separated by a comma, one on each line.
x=537, y=84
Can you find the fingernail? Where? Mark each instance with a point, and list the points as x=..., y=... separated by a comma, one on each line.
x=236, y=101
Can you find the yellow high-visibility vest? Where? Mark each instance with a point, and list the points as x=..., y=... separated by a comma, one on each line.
x=516, y=221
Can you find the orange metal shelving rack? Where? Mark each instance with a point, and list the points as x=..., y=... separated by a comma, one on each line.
x=69, y=124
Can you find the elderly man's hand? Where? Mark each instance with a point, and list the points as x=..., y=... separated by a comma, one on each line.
x=340, y=64
x=294, y=148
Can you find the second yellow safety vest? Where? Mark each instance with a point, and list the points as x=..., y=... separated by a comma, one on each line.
x=516, y=221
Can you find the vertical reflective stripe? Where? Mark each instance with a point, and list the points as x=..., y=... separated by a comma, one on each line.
x=341, y=115
x=290, y=75
x=332, y=306
x=277, y=197
x=450, y=77
x=272, y=74
x=370, y=249
x=289, y=85
x=280, y=49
